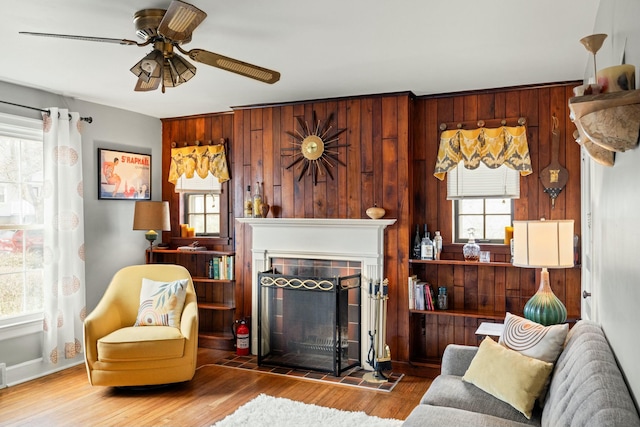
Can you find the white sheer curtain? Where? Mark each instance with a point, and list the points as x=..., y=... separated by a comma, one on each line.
x=64, y=281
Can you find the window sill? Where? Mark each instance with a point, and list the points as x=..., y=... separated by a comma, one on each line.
x=21, y=325
x=202, y=240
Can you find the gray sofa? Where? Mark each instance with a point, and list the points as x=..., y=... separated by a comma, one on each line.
x=586, y=389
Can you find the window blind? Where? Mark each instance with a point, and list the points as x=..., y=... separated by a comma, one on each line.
x=196, y=184
x=483, y=182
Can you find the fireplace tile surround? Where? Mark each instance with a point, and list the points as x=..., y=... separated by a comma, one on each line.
x=336, y=240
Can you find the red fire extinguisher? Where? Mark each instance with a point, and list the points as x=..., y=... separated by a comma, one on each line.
x=242, y=338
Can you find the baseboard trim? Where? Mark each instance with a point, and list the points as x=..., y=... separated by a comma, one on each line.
x=3, y=375
x=37, y=368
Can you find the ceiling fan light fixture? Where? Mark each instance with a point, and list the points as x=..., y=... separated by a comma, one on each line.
x=167, y=30
x=149, y=67
x=177, y=70
x=152, y=84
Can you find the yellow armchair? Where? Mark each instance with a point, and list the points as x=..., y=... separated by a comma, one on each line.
x=119, y=354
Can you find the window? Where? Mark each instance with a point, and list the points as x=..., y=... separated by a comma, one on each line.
x=201, y=201
x=202, y=212
x=488, y=217
x=21, y=216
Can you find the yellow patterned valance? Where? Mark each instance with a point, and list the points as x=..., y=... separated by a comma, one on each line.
x=493, y=147
x=200, y=160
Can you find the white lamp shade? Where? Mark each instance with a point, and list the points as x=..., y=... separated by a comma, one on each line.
x=543, y=244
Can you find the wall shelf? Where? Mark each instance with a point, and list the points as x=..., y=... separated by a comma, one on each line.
x=495, y=315
x=459, y=262
x=215, y=306
x=611, y=121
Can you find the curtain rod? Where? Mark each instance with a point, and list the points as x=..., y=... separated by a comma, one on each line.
x=521, y=121
x=84, y=119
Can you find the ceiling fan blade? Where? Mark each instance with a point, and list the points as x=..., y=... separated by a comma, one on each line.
x=86, y=38
x=180, y=20
x=233, y=65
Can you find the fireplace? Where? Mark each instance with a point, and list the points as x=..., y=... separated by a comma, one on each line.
x=309, y=322
x=348, y=240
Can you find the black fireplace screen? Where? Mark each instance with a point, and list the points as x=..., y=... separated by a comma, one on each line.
x=309, y=322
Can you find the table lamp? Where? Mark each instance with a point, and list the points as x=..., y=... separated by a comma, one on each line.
x=544, y=244
x=151, y=216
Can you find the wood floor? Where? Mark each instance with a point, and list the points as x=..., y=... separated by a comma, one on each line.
x=66, y=398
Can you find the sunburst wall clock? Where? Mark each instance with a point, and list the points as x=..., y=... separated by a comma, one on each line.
x=314, y=148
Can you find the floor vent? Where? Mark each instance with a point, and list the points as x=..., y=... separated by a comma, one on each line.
x=3, y=375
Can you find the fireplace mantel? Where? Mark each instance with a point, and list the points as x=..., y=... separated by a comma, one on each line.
x=319, y=236
x=359, y=240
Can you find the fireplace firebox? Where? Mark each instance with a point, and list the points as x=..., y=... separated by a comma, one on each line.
x=309, y=322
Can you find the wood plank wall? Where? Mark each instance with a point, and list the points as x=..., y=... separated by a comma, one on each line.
x=376, y=172
x=201, y=129
x=496, y=289
x=393, y=142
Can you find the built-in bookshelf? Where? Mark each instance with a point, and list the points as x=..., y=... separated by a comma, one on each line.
x=213, y=277
x=477, y=292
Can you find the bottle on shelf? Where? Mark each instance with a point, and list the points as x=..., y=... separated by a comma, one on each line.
x=443, y=304
x=248, y=203
x=437, y=245
x=426, y=246
x=257, y=201
x=471, y=250
x=416, y=243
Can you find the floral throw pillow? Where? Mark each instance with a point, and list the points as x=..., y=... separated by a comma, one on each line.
x=161, y=303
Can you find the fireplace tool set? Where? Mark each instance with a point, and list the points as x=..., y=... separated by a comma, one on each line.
x=379, y=355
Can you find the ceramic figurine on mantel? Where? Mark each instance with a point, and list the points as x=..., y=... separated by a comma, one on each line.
x=375, y=212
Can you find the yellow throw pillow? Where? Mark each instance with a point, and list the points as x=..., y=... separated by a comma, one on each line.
x=508, y=375
x=161, y=303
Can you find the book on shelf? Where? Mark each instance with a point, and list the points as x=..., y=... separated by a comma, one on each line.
x=411, y=291
x=421, y=296
x=420, y=301
x=223, y=267
x=428, y=296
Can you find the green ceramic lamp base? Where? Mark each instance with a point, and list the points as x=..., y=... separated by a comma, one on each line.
x=544, y=307
x=151, y=236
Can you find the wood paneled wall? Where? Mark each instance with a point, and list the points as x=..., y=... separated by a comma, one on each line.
x=511, y=288
x=376, y=171
x=393, y=141
x=202, y=129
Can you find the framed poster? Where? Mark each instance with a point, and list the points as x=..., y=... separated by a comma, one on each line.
x=123, y=175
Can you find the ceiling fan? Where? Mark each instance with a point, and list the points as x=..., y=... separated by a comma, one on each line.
x=167, y=30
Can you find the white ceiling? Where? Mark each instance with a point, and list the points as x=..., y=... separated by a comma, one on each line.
x=322, y=48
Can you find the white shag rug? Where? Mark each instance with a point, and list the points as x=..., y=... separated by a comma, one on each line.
x=268, y=411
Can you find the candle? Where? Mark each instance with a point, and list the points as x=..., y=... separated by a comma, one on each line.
x=617, y=78
x=191, y=232
x=508, y=234
x=183, y=230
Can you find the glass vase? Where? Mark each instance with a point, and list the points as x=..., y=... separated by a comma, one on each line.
x=471, y=250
